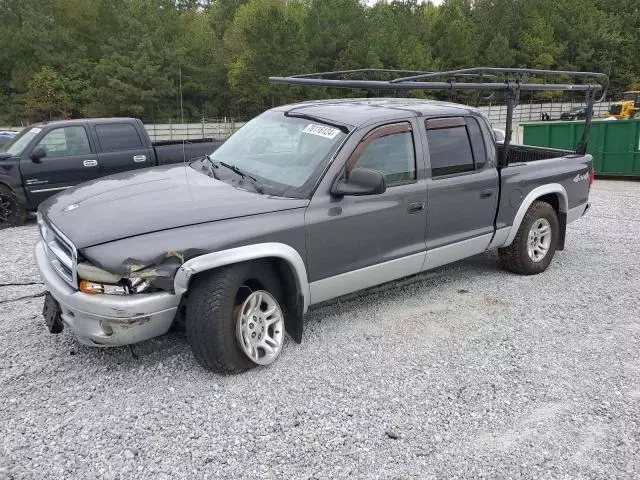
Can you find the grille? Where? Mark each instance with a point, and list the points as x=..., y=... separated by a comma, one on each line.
x=60, y=251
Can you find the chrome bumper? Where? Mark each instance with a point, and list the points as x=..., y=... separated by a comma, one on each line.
x=108, y=320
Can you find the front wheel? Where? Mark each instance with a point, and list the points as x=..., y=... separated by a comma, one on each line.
x=233, y=318
x=535, y=244
x=11, y=212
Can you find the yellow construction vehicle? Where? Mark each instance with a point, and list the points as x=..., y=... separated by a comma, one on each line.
x=626, y=108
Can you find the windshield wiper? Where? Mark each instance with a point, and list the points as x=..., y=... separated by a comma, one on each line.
x=244, y=175
x=212, y=166
x=295, y=114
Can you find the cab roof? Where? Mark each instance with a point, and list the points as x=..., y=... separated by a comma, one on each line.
x=82, y=121
x=356, y=112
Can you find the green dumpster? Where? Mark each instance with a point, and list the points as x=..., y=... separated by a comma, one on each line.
x=615, y=145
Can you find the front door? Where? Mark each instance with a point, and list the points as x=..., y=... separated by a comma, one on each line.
x=355, y=242
x=69, y=160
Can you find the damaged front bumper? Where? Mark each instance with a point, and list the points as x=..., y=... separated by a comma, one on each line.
x=108, y=320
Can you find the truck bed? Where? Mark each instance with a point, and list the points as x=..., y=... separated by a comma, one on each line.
x=528, y=153
x=563, y=171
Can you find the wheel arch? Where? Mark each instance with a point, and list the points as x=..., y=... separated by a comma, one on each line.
x=287, y=261
x=552, y=193
x=21, y=213
x=6, y=185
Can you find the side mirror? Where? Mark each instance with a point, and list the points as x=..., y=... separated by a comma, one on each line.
x=499, y=135
x=362, y=181
x=38, y=154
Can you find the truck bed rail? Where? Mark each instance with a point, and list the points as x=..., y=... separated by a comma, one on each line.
x=528, y=153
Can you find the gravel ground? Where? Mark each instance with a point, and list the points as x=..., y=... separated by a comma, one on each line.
x=466, y=371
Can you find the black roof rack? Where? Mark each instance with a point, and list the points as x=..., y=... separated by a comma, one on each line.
x=514, y=80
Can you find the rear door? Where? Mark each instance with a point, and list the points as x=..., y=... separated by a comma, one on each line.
x=70, y=160
x=462, y=193
x=121, y=148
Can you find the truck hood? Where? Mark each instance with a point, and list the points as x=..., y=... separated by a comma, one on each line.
x=150, y=200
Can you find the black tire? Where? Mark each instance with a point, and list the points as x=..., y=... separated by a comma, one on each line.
x=515, y=258
x=210, y=324
x=12, y=214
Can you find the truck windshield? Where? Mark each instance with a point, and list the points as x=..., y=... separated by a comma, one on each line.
x=17, y=145
x=285, y=154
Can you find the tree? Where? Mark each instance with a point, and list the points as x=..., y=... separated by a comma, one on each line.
x=499, y=53
x=221, y=14
x=265, y=38
x=124, y=57
x=399, y=34
x=454, y=35
x=128, y=85
x=331, y=27
x=47, y=97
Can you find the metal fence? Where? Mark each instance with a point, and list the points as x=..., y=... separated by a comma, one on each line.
x=527, y=112
x=223, y=128
x=218, y=129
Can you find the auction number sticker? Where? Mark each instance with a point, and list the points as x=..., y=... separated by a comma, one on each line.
x=321, y=130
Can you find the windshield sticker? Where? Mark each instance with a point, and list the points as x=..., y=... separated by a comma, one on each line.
x=321, y=130
x=36, y=130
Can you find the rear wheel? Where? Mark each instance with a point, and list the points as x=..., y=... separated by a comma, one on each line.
x=535, y=244
x=233, y=317
x=11, y=212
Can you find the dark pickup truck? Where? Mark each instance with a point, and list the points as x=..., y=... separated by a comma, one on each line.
x=50, y=157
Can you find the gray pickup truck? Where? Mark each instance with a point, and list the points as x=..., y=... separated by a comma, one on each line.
x=305, y=203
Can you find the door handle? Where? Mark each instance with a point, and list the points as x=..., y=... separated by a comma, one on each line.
x=139, y=158
x=90, y=163
x=486, y=193
x=415, y=207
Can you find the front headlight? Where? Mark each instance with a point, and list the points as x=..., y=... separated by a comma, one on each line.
x=133, y=276
x=95, y=280
x=86, y=271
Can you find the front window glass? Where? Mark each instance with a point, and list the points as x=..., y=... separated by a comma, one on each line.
x=286, y=155
x=66, y=141
x=17, y=145
x=393, y=156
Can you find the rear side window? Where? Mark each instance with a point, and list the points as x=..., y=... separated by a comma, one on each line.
x=477, y=143
x=118, y=136
x=449, y=150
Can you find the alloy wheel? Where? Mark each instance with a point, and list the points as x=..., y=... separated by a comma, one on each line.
x=260, y=327
x=539, y=240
